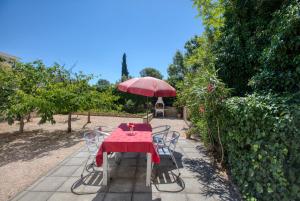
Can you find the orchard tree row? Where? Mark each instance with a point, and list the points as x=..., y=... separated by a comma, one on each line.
x=33, y=87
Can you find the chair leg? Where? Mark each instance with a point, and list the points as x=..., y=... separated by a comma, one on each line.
x=85, y=165
x=118, y=156
x=105, y=169
x=174, y=160
x=149, y=170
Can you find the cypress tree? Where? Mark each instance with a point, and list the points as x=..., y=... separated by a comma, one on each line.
x=125, y=72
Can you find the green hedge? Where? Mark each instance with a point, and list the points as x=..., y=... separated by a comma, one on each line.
x=261, y=138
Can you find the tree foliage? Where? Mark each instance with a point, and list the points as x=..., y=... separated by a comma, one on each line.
x=19, y=92
x=211, y=13
x=259, y=42
x=280, y=59
x=102, y=85
x=151, y=72
x=33, y=87
x=176, y=70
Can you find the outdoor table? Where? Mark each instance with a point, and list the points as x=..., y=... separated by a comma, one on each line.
x=123, y=140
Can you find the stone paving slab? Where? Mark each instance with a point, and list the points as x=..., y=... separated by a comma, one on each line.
x=121, y=172
x=118, y=197
x=82, y=154
x=199, y=197
x=189, y=150
x=75, y=161
x=173, y=196
x=66, y=186
x=50, y=184
x=37, y=196
x=78, y=172
x=140, y=187
x=70, y=196
x=146, y=197
x=64, y=171
x=121, y=185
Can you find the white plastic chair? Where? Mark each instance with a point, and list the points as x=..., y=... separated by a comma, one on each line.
x=93, y=140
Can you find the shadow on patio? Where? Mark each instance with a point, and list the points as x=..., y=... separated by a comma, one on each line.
x=213, y=183
x=129, y=177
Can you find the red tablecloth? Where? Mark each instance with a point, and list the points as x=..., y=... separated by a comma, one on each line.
x=120, y=141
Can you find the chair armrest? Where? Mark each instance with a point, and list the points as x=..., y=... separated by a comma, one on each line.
x=161, y=126
x=104, y=133
x=157, y=134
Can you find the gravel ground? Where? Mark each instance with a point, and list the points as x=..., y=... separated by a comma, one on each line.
x=28, y=156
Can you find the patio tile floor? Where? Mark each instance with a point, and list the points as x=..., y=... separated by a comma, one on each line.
x=199, y=180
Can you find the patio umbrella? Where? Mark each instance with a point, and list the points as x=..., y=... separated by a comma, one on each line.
x=147, y=86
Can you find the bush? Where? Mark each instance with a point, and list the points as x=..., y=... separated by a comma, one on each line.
x=202, y=93
x=261, y=137
x=190, y=132
x=129, y=106
x=130, y=103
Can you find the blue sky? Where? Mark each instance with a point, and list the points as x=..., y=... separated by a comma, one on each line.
x=93, y=34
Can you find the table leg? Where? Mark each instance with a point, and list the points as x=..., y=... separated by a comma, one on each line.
x=149, y=169
x=105, y=169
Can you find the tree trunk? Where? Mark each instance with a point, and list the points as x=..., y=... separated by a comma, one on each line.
x=69, y=122
x=21, y=129
x=29, y=117
x=89, y=118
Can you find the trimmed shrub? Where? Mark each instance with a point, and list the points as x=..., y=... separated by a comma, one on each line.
x=261, y=138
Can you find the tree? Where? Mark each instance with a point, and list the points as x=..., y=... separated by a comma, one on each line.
x=258, y=43
x=125, y=73
x=211, y=12
x=280, y=59
x=66, y=100
x=176, y=70
x=91, y=99
x=99, y=101
x=107, y=100
x=200, y=76
x=65, y=94
x=102, y=85
x=19, y=94
x=151, y=72
x=20, y=105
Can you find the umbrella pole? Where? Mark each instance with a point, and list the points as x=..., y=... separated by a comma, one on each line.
x=147, y=110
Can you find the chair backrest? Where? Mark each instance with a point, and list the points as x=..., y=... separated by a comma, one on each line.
x=93, y=140
x=173, y=140
x=161, y=129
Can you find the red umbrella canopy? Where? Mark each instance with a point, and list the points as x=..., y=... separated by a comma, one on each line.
x=147, y=86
